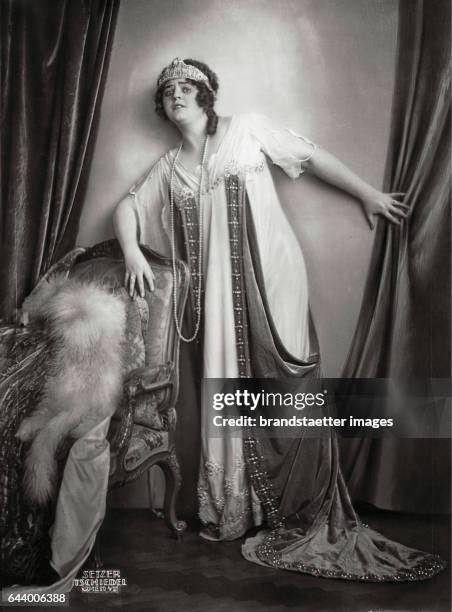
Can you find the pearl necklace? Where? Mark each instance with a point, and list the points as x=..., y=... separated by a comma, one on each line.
x=173, y=246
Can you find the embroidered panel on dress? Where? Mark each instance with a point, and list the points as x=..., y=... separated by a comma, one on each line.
x=260, y=480
x=188, y=219
x=234, y=197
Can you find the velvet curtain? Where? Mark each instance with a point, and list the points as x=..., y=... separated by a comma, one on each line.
x=54, y=60
x=404, y=325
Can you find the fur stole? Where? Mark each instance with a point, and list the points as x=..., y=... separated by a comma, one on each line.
x=84, y=382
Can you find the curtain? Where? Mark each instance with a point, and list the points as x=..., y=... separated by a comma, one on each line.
x=404, y=324
x=54, y=60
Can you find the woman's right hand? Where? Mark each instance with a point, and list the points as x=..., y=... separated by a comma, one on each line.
x=137, y=271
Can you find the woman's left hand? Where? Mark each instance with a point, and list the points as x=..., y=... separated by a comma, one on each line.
x=388, y=205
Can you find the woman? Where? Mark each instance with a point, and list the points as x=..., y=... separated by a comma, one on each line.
x=250, y=311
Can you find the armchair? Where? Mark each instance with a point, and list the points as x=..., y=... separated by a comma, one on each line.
x=143, y=428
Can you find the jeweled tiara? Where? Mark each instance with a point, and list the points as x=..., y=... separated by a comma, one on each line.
x=178, y=69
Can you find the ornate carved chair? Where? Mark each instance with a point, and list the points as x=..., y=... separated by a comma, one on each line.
x=143, y=428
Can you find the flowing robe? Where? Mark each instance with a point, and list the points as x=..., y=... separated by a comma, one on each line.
x=256, y=322
x=238, y=184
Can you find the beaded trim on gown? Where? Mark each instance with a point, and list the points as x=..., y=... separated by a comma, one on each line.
x=256, y=320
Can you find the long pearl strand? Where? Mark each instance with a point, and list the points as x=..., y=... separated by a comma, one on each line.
x=173, y=246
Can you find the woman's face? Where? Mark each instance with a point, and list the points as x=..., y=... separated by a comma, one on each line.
x=179, y=102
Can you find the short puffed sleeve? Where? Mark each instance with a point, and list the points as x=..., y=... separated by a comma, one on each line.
x=284, y=147
x=149, y=197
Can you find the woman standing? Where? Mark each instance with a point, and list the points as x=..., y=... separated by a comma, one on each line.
x=250, y=313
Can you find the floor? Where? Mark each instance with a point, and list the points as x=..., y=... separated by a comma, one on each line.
x=197, y=576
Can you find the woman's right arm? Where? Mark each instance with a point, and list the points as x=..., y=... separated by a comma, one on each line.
x=138, y=269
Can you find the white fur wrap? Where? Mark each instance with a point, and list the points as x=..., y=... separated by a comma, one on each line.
x=84, y=384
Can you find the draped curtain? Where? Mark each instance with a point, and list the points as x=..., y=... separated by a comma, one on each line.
x=403, y=329
x=54, y=61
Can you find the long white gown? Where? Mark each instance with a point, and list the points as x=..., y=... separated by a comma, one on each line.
x=226, y=499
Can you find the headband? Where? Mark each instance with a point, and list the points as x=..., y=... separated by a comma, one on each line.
x=178, y=69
